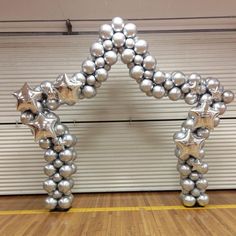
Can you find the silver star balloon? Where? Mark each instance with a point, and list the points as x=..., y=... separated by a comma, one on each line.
x=67, y=90
x=204, y=115
x=189, y=145
x=27, y=99
x=43, y=127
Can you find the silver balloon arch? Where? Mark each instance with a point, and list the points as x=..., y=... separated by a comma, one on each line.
x=36, y=106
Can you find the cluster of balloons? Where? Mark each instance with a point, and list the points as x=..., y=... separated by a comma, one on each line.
x=37, y=105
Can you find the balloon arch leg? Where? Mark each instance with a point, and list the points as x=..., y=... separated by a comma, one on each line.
x=206, y=94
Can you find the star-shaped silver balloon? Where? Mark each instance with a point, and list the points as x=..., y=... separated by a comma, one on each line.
x=67, y=90
x=204, y=115
x=43, y=126
x=189, y=145
x=27, y=99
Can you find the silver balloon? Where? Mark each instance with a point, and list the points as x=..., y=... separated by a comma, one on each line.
x=49, y=170
x=74, y=168
x=174, y=94
x=184, y=170
x=178, y=78
x=89, y=91
x=101, y=75
x=190, y=98
x=141, y=47
x=203, y=200
x=26, y=117
x=50, y=155
x=57, y=163
x=206, y=98
x=58, y=144
x=64, y=186
x=138, y=60
x=204, y=133
x=202, y=184
x=187, y=184
x=158, y=91
x=65, y=202
x=110, y=57
x=195, y=192
x=97, y=50
x=194, y=176
x=148, y=74
x=106, y=31
x=50, y=203
x=66, y=171
x=56, y=177
x=220, y=106
x=69, y=140
x=228, y=96
x=45, y=143
x=56, y=194
x=200, y=167
x=191, y=161
x=127, y=56
x=99, y=62
x=149, y=63
x=49, y=185
x=130, y=30
x=88, y=67
x=129, y=43
x=159, y=77
x=66, y=155
x=117, y=24
x=189, y=124
x=52, y=104
x=168, y=84
x=185, y=88
x=78, y=78
x=118, y=39
x=146, y=85
x=108, y=45
x=194, y=78
x=91, y=80
x=212, y=83
x=136, y=72
x=188, y=200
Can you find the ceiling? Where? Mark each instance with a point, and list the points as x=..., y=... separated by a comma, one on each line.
x=11, y=10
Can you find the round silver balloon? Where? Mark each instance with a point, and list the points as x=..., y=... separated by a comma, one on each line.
x=56, y=177
x=159, y=77
x=185, y=88
x=64, y=186
x=101, y=75
x=97, y=50
x=128, y=55
x=79, y=78
x=194, y=176
x=130, y=30
x=206, y=98
x=228, y=96
x=220, y=106
x=66, y=171
x=106, y=31
x=89, y=91
x=26, y=117
x=213, y=83
x=137, y=72
x=49, y=170
x=188, y=200
x=138, y=60
x=99, y=62
x=57, y=163
x=202, y=184
x=187, y=184
x=148, y=74
x=69, y=140
x=66, y=155
x=118, y=40
x=168, y=84
x=49, y=185
x=158, y=91
x=189, y=124
x=50, y=155
x=191, y=98
x=184, y=170
x=88, y=67
x=117, y=24
x=110, y=57
x=60, y=129
x=140, y=47
x=129, y=43
x=146, y=85
x=195, y=192
x=174, y=94
x=52, y=104
x=50, y=203
x=203, y=200
x=194, y=78
x=65, y=202
x=149, y=62
x=45, y=143
x=203, y=133
x=91, y=80
x=178, y=78
x=56, y=194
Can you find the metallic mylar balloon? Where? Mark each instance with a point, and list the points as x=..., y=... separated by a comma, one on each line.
x=56, y=194
x=45, y=143
x=118, y=39
x=57, y=163
x=101, y=75
x=49, y=185
x=141, y=47
x=97, y=50
x=50, y=203
x=130, y=30
x=178, y=78
x=195, y=192
x=64, y=186
x=49, y=170
x=184, y=170
x=127, y=55
x=66, y=155
x=26, y=117
x=187, y=184
x=146, y=85
x=203, y=200
x=129, y=43
x=159, y=77
x=69, y=140
x=228, y=96
x=106, y=31
x=56, y=177
x=66, y=171
x=188, y=200
x=149, y=62
x=137, y=72
x=110, y=57
x=158, y=91
x=60, y=129
x=50, y=155
x=202, y=184
x=174, y=94
x=89, y=91
x=65, y=202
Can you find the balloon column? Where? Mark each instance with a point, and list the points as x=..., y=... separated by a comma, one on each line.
x=36, y=106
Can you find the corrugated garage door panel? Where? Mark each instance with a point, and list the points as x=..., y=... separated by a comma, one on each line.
x=118, y=156
x=38, y=58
